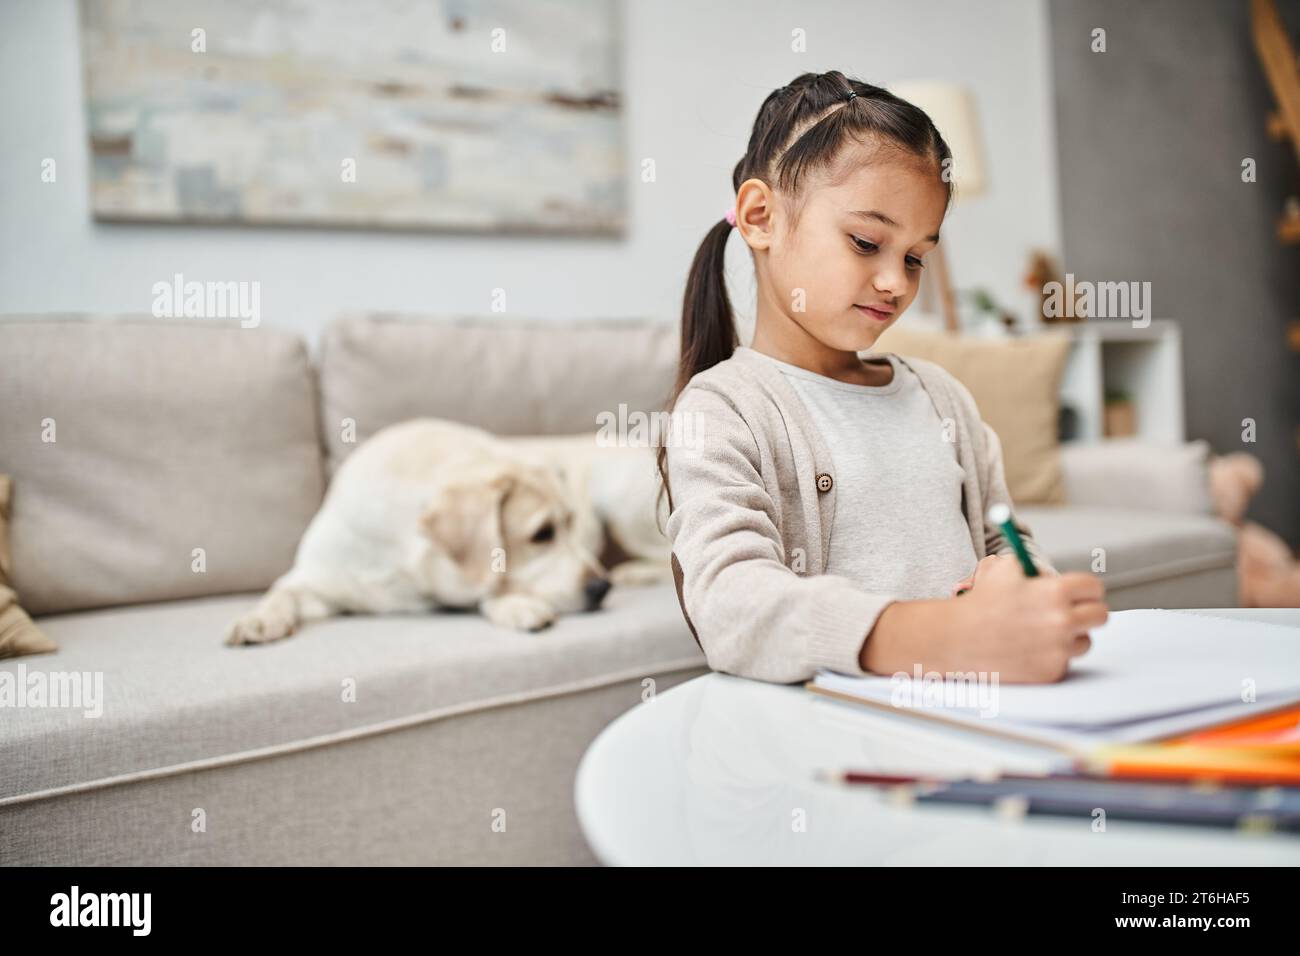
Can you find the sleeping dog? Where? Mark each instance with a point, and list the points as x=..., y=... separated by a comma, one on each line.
x=431, y=513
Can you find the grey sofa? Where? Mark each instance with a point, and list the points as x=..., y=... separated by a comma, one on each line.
x=188, y=458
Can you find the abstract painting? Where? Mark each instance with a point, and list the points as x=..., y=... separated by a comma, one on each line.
x=459, y=115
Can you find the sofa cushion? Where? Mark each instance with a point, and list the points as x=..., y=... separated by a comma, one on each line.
x=1016, y=384
x=1131, y=473
x=1139, y=546
x=175, y=697
x=134, y=442
x=509, y=376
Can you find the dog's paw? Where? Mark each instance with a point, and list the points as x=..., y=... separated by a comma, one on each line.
x=519, y=612
x=639, y=574
x=270, y=621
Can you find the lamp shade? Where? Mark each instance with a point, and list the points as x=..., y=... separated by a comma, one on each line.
x=952, y=110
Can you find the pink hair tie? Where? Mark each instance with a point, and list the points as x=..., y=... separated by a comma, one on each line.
x=731, y=215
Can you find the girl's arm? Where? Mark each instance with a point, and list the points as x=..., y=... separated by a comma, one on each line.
x=754, y=615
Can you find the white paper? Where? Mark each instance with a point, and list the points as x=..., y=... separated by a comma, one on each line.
x=1150, y=673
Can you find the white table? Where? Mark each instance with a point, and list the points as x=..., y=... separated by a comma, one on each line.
x=721, y=771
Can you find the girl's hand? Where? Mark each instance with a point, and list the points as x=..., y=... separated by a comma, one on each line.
x=1025, y=629
x=968, y=583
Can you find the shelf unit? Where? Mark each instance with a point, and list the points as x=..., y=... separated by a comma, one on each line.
x=1147, y=363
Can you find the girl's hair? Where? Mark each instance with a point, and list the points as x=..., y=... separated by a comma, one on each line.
x=800, y=128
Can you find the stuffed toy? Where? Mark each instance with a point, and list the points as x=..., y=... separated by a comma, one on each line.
x=1268, y=574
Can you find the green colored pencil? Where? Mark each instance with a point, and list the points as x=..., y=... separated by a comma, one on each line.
x=1000, y=515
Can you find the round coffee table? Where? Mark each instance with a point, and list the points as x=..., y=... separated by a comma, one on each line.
x=723, y=771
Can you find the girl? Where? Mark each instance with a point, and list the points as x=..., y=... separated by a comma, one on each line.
x=828, y=508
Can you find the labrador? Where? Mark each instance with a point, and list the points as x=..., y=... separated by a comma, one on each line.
x=431, y=513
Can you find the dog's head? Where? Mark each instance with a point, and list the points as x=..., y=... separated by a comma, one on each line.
x=508, y=527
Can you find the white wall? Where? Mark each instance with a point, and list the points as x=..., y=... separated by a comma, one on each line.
x=695, y=74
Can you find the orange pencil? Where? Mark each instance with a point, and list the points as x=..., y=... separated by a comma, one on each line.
x=1194, y=763
x=1280, y=727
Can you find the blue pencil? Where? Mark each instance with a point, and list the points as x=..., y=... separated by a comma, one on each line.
x=1264, y=809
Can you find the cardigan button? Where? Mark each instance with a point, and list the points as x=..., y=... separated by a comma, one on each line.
x=824, y=482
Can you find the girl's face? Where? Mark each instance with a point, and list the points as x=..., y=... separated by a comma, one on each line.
x=858, y=244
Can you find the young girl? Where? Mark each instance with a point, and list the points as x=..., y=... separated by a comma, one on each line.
x=828, y=508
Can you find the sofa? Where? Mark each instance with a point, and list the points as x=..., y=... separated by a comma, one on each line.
x=163, y=471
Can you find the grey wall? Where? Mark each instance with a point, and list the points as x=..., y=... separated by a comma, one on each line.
x=1150, y=137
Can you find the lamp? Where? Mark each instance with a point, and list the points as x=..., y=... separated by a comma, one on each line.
x=952, y=110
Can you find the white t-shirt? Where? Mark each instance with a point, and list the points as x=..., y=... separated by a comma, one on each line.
x=898, y=523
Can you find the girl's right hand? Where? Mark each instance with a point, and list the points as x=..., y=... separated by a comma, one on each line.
x=1025, y=629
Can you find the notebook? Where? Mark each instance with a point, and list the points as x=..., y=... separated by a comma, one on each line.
x=1150, y=674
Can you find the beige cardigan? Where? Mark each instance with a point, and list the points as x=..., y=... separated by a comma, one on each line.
x=752, y=503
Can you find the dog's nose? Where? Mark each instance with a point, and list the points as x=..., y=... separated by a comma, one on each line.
x=596, y=590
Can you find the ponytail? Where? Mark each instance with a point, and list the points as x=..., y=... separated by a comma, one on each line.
x=708, y=323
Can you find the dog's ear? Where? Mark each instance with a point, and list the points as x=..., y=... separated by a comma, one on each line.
x=464, y=519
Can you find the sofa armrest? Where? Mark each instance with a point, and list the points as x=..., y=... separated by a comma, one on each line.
x=1129, y=473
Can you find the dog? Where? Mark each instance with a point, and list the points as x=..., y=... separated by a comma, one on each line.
x=616, y=489
x=431, y=513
